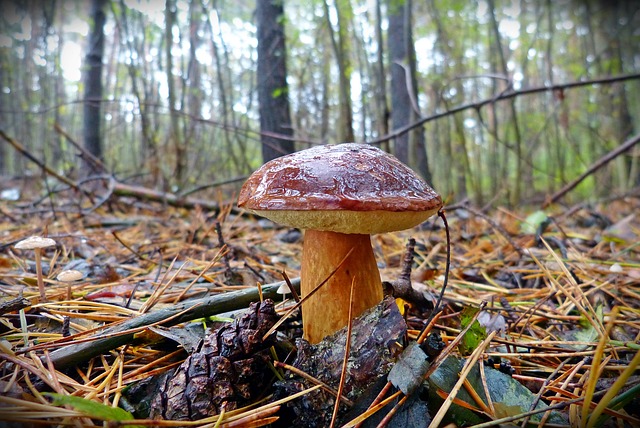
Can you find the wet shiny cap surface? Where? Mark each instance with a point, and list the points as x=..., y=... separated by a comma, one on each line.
x=354, y=177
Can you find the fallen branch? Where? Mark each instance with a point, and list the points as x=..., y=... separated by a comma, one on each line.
x=97, y=164
x=123, y=333
x=594, y=167
x=19, y=147
x=501, y=97
x=14, y=305
x=116, y=187
x=144, y=193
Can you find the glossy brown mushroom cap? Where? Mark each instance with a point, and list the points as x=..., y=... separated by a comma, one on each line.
x=347, y=188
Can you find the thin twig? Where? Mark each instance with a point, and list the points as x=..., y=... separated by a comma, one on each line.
x=313, y=380
x=345, y=360
x=23, y=150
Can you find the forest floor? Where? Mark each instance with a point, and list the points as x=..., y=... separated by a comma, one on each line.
x=562, y=318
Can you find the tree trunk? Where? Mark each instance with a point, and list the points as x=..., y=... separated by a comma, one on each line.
x=93, y=84
x=192, y=93
x=556, y=167
x=409, y=147
x=382, y=107
x=273, y=92
x=341, y=49
x=174, y=133
x=141, y=90
x=518, y=145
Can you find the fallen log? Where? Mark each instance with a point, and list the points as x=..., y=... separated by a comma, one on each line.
x=122, y=333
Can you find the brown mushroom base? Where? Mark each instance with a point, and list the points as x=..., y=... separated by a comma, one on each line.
x=328, y=309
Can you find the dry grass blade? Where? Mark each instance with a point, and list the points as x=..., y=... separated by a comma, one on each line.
x=469, y=364
x=611, y=393
x=347, y=349
x=370, y=411
x=314, y=380
x=221, y=253
x=233, y=417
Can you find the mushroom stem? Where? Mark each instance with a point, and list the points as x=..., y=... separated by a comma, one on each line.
x=328, y=309
x=43, y=294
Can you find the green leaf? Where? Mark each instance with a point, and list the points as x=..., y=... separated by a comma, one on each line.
x=586, y=333
x=476, y=334
x=622, y=232
x=509, y=397
x=279, y=92
x=532, y=222
x=91, y=408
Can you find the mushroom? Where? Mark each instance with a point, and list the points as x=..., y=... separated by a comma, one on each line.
x=284, y=290
x=69, y=275
x=37, y=243
x=340, y=194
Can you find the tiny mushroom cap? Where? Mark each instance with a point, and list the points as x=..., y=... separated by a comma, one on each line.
x=283, y=289
x=69, y=275
x=340, y=194
x=37, y=243
x=33, y=242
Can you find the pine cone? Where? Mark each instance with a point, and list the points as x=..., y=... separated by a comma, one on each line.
x=228, y=370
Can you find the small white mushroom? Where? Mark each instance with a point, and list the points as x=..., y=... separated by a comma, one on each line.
x=37, y=243
x=616, y=268
x=69, y=275
x=283, y=289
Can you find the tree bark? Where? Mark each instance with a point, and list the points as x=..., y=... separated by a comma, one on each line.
x=518, y=144
x=341, y=49
x=273, y=91
x=409, y=148
x=174, y=132
x=93, y=84
x=382, y=106
x=192, y=93
x=149, y=153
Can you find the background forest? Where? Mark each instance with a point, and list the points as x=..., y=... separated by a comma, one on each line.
x=509, y=100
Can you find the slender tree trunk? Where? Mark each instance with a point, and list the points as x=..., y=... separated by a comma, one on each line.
x=237, y=141
x=555, y=158
x=273, y=92
x=149, y=146
x=416, y=137
x=625, y=124
x=382, y=106
x=225, y=93
x=6, y=80
x=174, y=130
x=518, y=149
x=409, y=147
x=191, y=95
x=326, y=108
x=93, y=84
x=457, y=156
x=341, y=50
x=366, y=88
x=400, y=97
x=59, y=97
